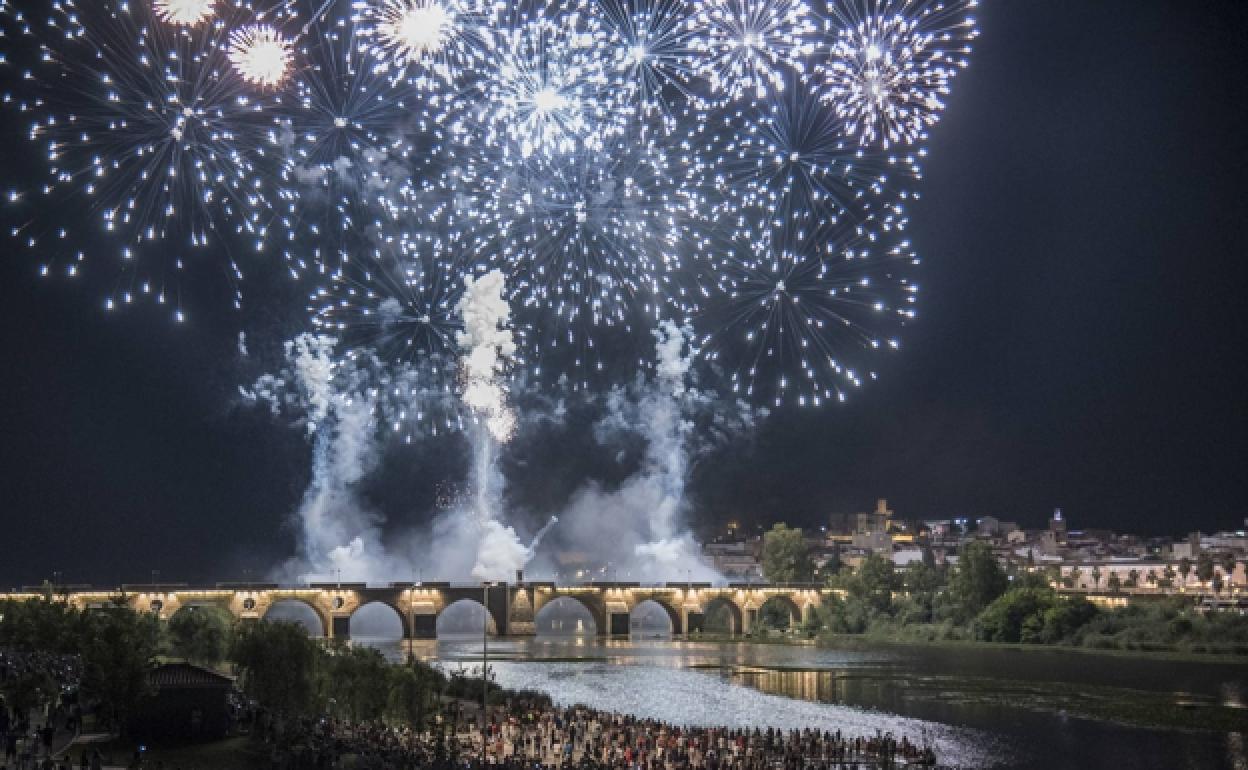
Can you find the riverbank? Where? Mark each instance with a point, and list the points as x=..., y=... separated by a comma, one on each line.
x=871, y=639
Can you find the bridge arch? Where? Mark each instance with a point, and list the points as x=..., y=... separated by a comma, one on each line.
x=377, y=619
x=587, y=621
x=464, y=618
x=289, y=609
x=646, y=606
x=777, y=606
x=729, y=608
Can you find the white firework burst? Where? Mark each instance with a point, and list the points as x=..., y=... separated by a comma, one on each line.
x=261, y=55
x=891, y=64
x=749, y=46
x=444, y=37
x=184, y=12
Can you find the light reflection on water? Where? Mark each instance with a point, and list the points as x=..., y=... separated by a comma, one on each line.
x=980, y=708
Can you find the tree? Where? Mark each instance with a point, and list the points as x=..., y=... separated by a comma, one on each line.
x=1167, y=577
x=117, y=650
x=977, y=580
x=201, y=634
x=1072, y=578
x=1115, y=582
x=873, y=583
x=1228, y=567
x=1096, y=575
x=922, y=583
x=356, y=683
x=1204, y=567
x=1185, y=569
x=414, y=687
x=1015, y=616
x=279, y=665
x=785, y=556
x=1133, y=578
x=1064, y=618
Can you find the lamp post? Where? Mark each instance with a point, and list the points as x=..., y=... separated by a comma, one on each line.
x=485, y=661
x=411, y=623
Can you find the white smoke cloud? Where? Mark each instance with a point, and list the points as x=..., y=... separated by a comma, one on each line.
x=337, y=402
x=489, y=348
x=640, y=527
x=488, y=351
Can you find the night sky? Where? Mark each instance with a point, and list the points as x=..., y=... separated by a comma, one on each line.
x=1081, y=340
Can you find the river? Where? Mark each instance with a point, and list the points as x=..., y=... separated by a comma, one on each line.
x=980, y=707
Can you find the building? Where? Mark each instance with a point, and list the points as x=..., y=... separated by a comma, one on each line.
x=737, y=560
x=188, y=703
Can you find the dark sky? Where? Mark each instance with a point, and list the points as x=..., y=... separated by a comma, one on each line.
x=1081, y=340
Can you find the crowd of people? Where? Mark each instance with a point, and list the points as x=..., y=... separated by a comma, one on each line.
x=40, y=702
x=531, y=734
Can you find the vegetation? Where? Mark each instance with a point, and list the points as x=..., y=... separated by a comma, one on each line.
x=786, y=559
x=200, y=634
x=115, y=647
x=977, y=600
x=278, y=663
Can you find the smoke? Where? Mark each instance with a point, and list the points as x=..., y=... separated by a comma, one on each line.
x=488, y=351
x=640, y=527
x=336, y=401
x=352, y=406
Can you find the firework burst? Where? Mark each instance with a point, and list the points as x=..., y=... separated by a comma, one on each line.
x=261, y=55
x=443, y=37
x=749, y=46
x=551, y=90
x=797, y=317
x=142, y=126
x=891, y=63
x=186, y=12
x=654, y=49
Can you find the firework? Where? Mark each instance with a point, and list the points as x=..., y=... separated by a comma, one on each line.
x=788, y=163
x=261, y=55
x=551, y=90
x=444, y=37
x=796, y=317
x=352, y=138
x=749, y=46
x=188, y=12
x=397, y=298
x=619, y=163
x=143, y=128
x=891, y=63
x=654, y=48
x=588, y=241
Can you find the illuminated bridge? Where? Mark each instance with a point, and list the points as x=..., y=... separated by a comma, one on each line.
x=513, y=608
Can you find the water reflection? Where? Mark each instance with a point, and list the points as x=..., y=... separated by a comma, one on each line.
x=981, y=707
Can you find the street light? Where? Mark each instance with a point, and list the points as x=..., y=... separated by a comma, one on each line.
x=485, y=660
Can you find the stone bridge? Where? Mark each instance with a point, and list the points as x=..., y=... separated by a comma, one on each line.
x=513, y=608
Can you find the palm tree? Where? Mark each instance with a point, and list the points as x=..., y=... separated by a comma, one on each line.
x=1185, y=569
x=1152, y=578
x=1167, y=577
x=1133, y=578
x=1096, y=576
x=1228, y=566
